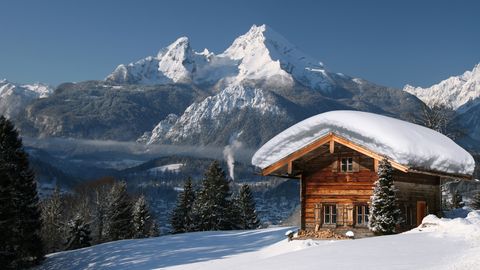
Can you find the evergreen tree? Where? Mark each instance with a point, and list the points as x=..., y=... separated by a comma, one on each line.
x=182, y=218
x=457, y=200
x=52, y=211
x=245, y=204
x=476, y=201
x=211, y=206
x=78, y=235
x=119, y=214
x=384, y=211
x=141, y=218
x=20, y=224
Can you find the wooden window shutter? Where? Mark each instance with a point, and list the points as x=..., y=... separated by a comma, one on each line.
x=356, y=164
x=350, y=215
x=335, y=165
x=320, y=212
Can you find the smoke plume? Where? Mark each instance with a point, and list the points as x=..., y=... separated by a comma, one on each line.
x=229, y=153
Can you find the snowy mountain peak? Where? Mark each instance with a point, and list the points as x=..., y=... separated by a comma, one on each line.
x=265, y=54
x=460, y=92
x=260, y=55
x=15, y=97
x=180, y=46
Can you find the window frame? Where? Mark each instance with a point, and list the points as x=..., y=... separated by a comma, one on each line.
x=332, y=214
x=348, y=164
x=364, y=215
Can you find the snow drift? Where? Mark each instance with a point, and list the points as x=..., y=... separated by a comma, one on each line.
x=436, y=244
x=406, y=143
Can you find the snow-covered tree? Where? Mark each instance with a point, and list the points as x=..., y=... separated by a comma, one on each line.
x=457, y=200
x=476, y=201
x=78, y=233
x=211, y=207
x=119, y=214
x=52, y=231
x=141, y=218
x=247, y=214
x=20, y=223
x=384, y=211
x=182, y=217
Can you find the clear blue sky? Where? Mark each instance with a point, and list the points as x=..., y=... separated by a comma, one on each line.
x=388, y=42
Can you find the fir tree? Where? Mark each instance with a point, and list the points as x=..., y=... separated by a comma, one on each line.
x=211, y=206
x=384, y=211
x=245, y=204
x=182, y=218
x=52, y=211
x=119, y=213
x=78, y=235
x=457, y=200
x=20, y=224
x=476, y=201
x=141, y=218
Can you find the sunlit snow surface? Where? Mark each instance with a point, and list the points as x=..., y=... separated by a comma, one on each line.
x=456, y=91
x=437, y=244
x=406, y=143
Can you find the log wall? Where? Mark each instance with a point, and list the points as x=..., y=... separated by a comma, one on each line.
x=323, y=183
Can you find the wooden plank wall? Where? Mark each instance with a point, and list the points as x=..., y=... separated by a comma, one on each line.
x=323, y=183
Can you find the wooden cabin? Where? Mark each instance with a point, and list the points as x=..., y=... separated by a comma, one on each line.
x=337, y=178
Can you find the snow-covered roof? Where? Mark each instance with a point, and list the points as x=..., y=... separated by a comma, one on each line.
x=403, y=142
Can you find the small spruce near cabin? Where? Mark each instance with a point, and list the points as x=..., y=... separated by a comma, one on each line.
x=335, y=155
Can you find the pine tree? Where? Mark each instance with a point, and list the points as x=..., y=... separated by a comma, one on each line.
x=20, y=224
x=476, y=201
x=119, y=214
x=182, y=218
x=141, y=218
x=245, y=204
x=211, y=206
x=78, y=235
x=384, y=211
x=52, y=211
x=457, y=200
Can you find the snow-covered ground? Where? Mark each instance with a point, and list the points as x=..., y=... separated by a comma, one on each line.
x=436, y=244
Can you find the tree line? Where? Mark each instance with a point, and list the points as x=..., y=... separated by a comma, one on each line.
x=98, y=212
x=213, y=206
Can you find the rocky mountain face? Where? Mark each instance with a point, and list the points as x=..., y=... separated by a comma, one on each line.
x=257, y=87
x=462, y=94
x=96, y=110
x=15, y=97
x=459, y=92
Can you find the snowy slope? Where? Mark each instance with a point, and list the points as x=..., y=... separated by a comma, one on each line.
x=437, y=244
x=177, y=63
x=212, y=112
x=261, y=56
x=15, y=97
x=455, y=91
x=404, y=142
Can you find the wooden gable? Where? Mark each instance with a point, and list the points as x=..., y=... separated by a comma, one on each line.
x=292, y=165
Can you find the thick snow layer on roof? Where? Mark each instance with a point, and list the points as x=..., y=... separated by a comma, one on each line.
x=406, y=143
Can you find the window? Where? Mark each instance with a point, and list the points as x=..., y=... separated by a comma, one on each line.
x=362, y=215
x=346, y=164
x=329, y=214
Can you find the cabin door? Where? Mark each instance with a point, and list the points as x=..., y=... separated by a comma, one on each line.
x=421, y=211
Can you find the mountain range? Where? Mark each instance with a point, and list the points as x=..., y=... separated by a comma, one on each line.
x=257, y=87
